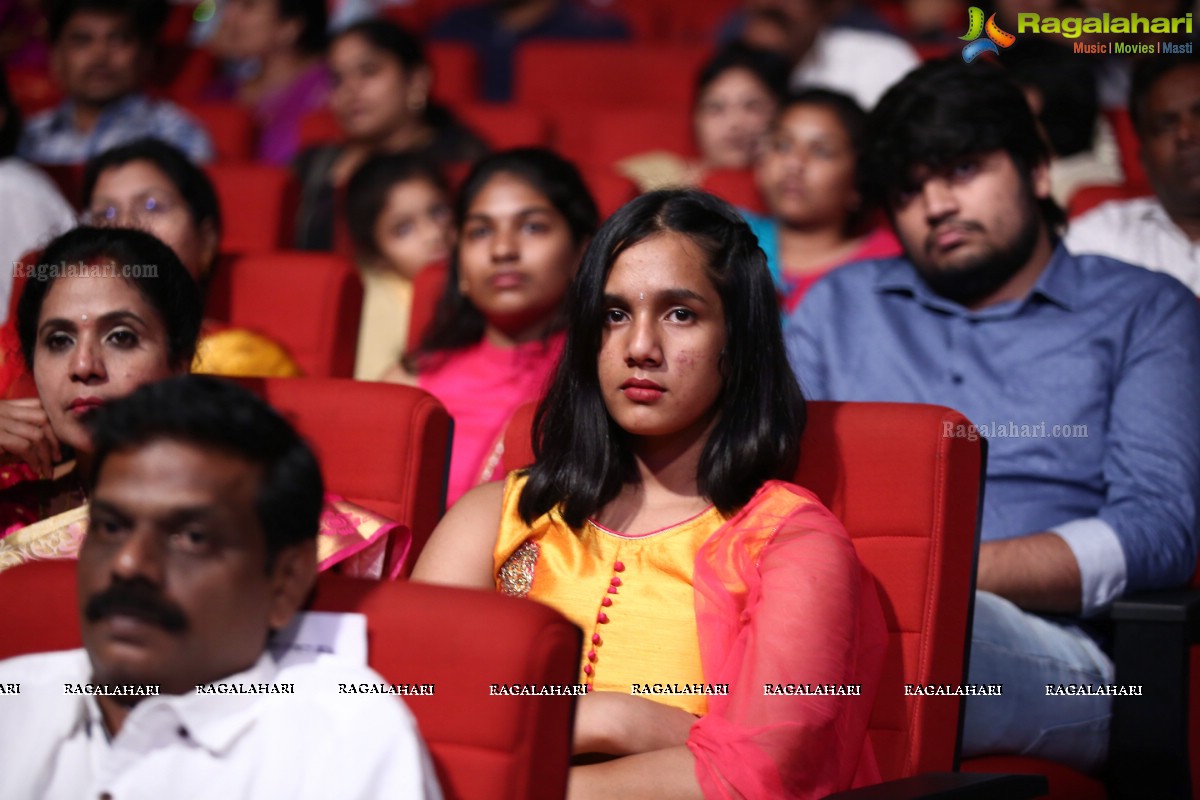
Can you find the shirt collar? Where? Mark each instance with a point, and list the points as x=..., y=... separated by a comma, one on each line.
x=1059, y=283
x=214, y=721
x=64, y=113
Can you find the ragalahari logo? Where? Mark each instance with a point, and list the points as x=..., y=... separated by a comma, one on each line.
x=996, y=37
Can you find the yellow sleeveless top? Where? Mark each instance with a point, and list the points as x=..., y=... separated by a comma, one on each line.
x=631, y=595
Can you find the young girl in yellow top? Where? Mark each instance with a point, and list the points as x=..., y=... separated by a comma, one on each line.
x=658, y=519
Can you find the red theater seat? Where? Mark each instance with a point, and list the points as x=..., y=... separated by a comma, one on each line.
x=506, y=126
x=566, y=75
x=1086, y=198
x=230, y=126
x=33, y=89
x=455, y=72
x=310, y=303
x=258, y=206
x=736, y=186
x=427, y=290
x=383, y=446
x=484, y=748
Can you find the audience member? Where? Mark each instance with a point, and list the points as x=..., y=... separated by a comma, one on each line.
x=201, y=545
x=808, y=177
x=283, y=44
x=737, y=94
x=398, y=212
x=861, y=63
x=1083, y=372
x=496, y=29
x=1160, y=232
x=659, y=496
x=32, y=210
x=524, y=218
x=101, y=53
x=1061, y=89
x=381, y=81
x=151, y=185
x=112, y=309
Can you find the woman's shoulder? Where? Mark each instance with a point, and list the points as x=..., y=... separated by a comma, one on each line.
x=781, y=512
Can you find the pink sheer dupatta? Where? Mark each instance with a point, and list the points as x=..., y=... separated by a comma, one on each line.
x=781, y=598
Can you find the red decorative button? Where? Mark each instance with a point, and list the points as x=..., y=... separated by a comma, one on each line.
x=591, y=655
x=612, y=590
x=596, y=638
x=602, y=618
x=606, y=601
x=615, y=581
x=587, y=669
x=619, y=567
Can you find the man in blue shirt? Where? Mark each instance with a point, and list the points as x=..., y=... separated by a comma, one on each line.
x=101, y=52
x=1082, y=372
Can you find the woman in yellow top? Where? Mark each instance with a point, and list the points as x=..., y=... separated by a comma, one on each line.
x=658, y=518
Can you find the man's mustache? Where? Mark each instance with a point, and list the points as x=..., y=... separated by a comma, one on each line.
x=137, y=600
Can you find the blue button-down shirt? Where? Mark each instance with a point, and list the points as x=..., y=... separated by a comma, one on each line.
x=1088, y=391
x=51, y=137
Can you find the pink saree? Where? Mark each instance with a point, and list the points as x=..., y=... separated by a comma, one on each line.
x=359, y=542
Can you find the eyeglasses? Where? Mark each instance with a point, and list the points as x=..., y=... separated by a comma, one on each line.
x=143, y=209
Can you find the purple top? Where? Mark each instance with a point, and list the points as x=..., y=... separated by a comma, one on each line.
x=278, y=114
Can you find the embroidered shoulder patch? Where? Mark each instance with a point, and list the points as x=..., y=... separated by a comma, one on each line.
x=516, y=574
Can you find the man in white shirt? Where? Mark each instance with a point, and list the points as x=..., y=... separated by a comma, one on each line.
x=1161, y=233
x=201, y=542
x=863, y=64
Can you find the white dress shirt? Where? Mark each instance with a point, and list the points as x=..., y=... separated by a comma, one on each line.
x=312, y=743
x=1140, y=232
x=32, y=211
x=862, y=64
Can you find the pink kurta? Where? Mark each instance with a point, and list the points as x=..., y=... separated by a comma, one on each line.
x=481, y=386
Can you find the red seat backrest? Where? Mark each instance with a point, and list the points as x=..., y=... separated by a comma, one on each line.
x=33, y=89
x=736, y=186
x=311, y=303
x=908, y=493
x=609, y=189
x=455, y=70
x=563, y=75
x=229, y=125
x=608, y=134
x=1086, y=198
x=506, y=126
x=427, y=291
x=381, y=445
x=484, y=748
x=258, y=206
x=1128, y=146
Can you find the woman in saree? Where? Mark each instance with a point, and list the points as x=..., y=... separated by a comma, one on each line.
x=658, y=517
x=114, y=309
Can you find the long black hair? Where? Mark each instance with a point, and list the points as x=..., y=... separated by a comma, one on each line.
x=457, y=323
x=583, y=456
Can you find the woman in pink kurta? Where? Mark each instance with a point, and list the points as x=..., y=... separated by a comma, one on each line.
x=524, y=218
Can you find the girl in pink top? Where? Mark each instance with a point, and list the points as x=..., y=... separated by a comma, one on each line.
x=525, y=217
